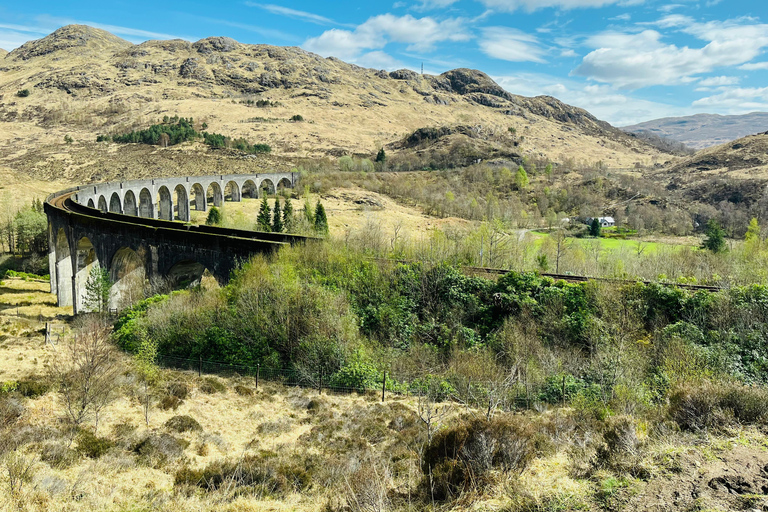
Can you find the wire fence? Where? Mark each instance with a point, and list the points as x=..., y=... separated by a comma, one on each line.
x=473, y=393
x=317, y=379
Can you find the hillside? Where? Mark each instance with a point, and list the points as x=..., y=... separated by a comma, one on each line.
x=735, y=172
x=84, y=81
x=704, y=130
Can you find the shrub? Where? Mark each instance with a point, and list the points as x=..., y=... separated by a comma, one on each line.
x=264, y=470
x=211, y=385
x=58, y=455
x=22, y=93
x=32, y=388
x=460, y=457
x=10, y=410
x=243, y=390
x=90, y=445
x=183, y=423
x=715, y=404
x=175, y=393
x=159, y=449
x=297, y=118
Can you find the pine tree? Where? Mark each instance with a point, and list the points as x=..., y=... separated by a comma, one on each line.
x=263, y=220
x=97, y=290
x=214, y=217
x=715, y=240
x=594, y=228
x=288, y=220
x=277, y=217
x=321, y=221
x=381, y=156
x=308, y=215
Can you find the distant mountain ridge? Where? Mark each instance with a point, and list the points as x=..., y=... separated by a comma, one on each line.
x=704, y=130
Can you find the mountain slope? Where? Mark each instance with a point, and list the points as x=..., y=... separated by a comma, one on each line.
x=704, y=130
x=85, y=81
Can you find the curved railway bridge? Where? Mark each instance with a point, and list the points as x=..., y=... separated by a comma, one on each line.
x=132, y=229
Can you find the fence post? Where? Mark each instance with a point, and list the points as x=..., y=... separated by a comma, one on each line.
x=563, y=390
x=257, y=376
x=48, y=333
x=383, y=386
x=200, y=367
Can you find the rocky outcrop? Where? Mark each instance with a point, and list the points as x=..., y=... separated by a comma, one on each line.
x=79, y=37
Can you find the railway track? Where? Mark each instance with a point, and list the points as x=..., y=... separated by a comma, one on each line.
x=583, y=279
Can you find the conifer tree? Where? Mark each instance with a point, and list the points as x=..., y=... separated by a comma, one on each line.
x=308, y=215
x=715, y=240
x=263, y=221
x=277, y=217
x=594, y=228
x=288, y=220
x=214, y=217
x=321, y=221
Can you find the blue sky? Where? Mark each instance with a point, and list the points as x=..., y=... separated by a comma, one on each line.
x=625, y=61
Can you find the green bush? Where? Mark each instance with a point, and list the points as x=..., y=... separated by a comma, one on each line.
x=22, y=93
x=297, y=118
x=357, y=375
x=212, y=385
x=183, y=423
x=90, y=445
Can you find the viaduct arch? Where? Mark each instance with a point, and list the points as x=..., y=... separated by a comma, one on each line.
x=128, y=229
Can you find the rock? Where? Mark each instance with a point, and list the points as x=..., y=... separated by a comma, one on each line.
x=215, y=44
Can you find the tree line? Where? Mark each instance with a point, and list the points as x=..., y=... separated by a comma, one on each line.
x=176, y=130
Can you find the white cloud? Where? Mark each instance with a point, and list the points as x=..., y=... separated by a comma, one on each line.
x=635, y=60
x=719, y=81
x=293, y=13
x=533, y=5
x=425, y=5
x=510, y=44
x=602, y=101
x=622, y=17
x=379, y=60
x=736, y=100
x=420, y=34
x=670, y=7
x=754, y=66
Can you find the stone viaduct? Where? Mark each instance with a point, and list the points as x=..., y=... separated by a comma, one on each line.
x=129, y=229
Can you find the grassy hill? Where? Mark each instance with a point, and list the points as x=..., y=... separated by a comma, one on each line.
x=83, y=81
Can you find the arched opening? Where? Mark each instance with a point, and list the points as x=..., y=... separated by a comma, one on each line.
x=127, y=275
x=63, y=269
x=129, y=204
x=102, y=204
x=266, y=187
x=231, y=192
x=88, y=291
x=250, y=190
x=91, y=204
x=115, y=205
x=145, y=204
x=181, y=203
x=164, y=204
x=190, y=274
x=198, y=196
x=213, y=194
x=283, y=186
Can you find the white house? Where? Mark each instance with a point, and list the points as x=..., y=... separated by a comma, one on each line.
x=604, y=221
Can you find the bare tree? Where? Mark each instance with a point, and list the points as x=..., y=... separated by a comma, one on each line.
x=86, y=369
